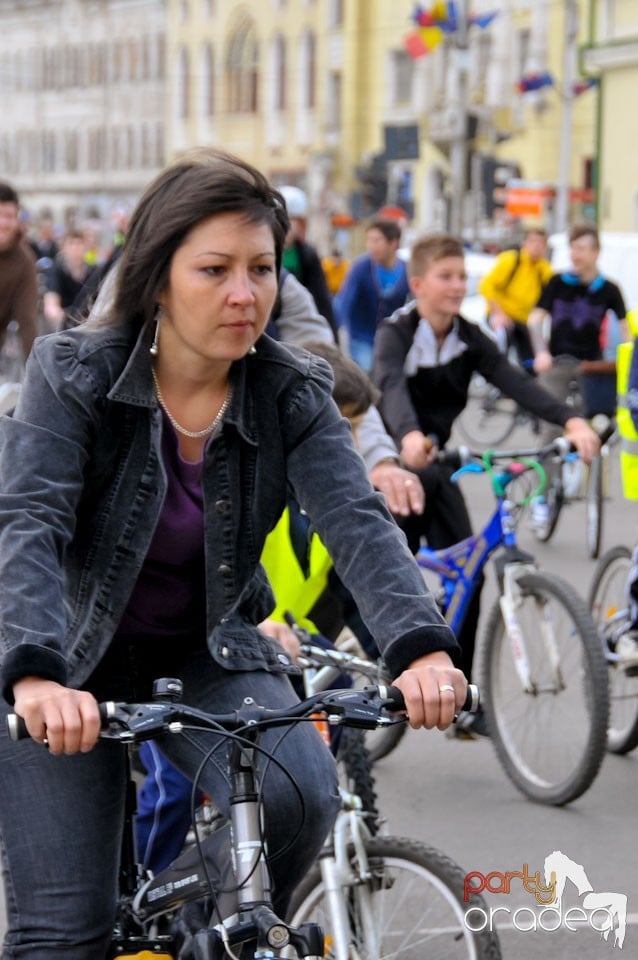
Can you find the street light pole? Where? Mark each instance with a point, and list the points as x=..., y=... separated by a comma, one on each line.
x=566, y=115
x=458, y=150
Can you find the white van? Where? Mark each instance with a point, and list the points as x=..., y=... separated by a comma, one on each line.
x=618, y=260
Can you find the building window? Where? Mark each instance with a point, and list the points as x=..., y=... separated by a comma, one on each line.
x=183, y=84
x=524, y=40
x=335, y=13
x=242, y=70
x=133, y=60
x=208, y=81
x=161, y=57
x=159, y=144
x=71, y=150
x=402, y=76
x=279, y=73
x=309, y=70
x=333, y=111
x=146, y=57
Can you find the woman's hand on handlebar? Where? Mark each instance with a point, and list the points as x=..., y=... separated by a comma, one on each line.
x=67, y=719
x=425, y=687
x=583, y=437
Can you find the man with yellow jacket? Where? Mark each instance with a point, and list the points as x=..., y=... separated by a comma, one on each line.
x=512, y=289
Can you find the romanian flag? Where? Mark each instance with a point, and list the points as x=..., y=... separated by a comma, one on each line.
x=581, y=86
x=534, y=81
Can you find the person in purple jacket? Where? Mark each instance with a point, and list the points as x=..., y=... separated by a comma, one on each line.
x=375, y=286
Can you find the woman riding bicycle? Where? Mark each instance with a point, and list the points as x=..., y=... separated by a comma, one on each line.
x=149, y=455
x=425, y=355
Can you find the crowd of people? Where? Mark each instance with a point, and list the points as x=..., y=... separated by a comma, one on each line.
x=190, y=428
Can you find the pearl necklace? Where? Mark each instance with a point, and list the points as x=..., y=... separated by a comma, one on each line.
x=193, y=434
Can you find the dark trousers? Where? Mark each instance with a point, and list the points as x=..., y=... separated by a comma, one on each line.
x=443, y=523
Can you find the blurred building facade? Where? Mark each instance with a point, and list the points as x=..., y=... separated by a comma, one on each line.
x=318, y=93
x=611, y=54
x=83, y=102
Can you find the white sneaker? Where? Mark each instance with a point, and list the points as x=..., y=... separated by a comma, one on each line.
x=540, y=513
x=572, y=477
x=627, y=649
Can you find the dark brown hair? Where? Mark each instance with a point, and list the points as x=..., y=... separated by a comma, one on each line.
x=201, y=184
x=8, y=194
x=352, y=388
x=433, y=247
x=389, y=228
x=585, y=229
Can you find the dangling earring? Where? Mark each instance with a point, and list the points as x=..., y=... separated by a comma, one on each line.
x=154, y=347
x=252, y=350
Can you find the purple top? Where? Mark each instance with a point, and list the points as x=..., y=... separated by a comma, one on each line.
x=169, y=598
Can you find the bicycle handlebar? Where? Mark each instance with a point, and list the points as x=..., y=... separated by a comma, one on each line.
x=561, y=446
x=133, y=722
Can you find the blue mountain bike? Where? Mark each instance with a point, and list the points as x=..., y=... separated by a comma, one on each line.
x=543, y=673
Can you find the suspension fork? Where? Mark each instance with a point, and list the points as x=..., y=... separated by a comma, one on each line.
x=345, y=875
x=510, y=602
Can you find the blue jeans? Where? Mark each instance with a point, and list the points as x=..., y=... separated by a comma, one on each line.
x=61, y=817
x=165, y=798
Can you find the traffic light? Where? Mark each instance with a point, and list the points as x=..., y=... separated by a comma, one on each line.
x=373, y=178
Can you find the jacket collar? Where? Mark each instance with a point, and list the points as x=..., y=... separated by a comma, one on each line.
x=135, y=385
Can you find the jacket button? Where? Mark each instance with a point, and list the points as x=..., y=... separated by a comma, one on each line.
x=224, y=568
x=222, y=506
x=283, y=658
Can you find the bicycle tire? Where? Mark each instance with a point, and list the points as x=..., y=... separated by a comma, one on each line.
x=384, y=740
x=355, y=772
x=607, y=598
x=488, y=419
x=594, y=505
x=555, y=498
x=551, y=742
x=419, y=889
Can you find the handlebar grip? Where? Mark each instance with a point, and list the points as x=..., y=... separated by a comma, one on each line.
x=455, y=458
x=471, y=705
x=17, y=728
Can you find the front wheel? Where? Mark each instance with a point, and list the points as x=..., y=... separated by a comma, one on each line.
x=550, y=738
x=410, y=908
x=543, y=526
x=607, y=602
x=595, y=507
x=489, y=417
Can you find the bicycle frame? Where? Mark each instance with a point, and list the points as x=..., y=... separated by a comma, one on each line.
x=461, y=565
x=460, y=568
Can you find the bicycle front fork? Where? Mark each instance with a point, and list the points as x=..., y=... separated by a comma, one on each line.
x=511, y=601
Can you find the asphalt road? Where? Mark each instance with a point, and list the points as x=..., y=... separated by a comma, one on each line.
x=455, y=796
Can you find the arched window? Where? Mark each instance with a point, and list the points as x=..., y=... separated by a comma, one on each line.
x=308, y=70
x=242, y=66
x=208, y=81
x=183, y=84
x=279, y=73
